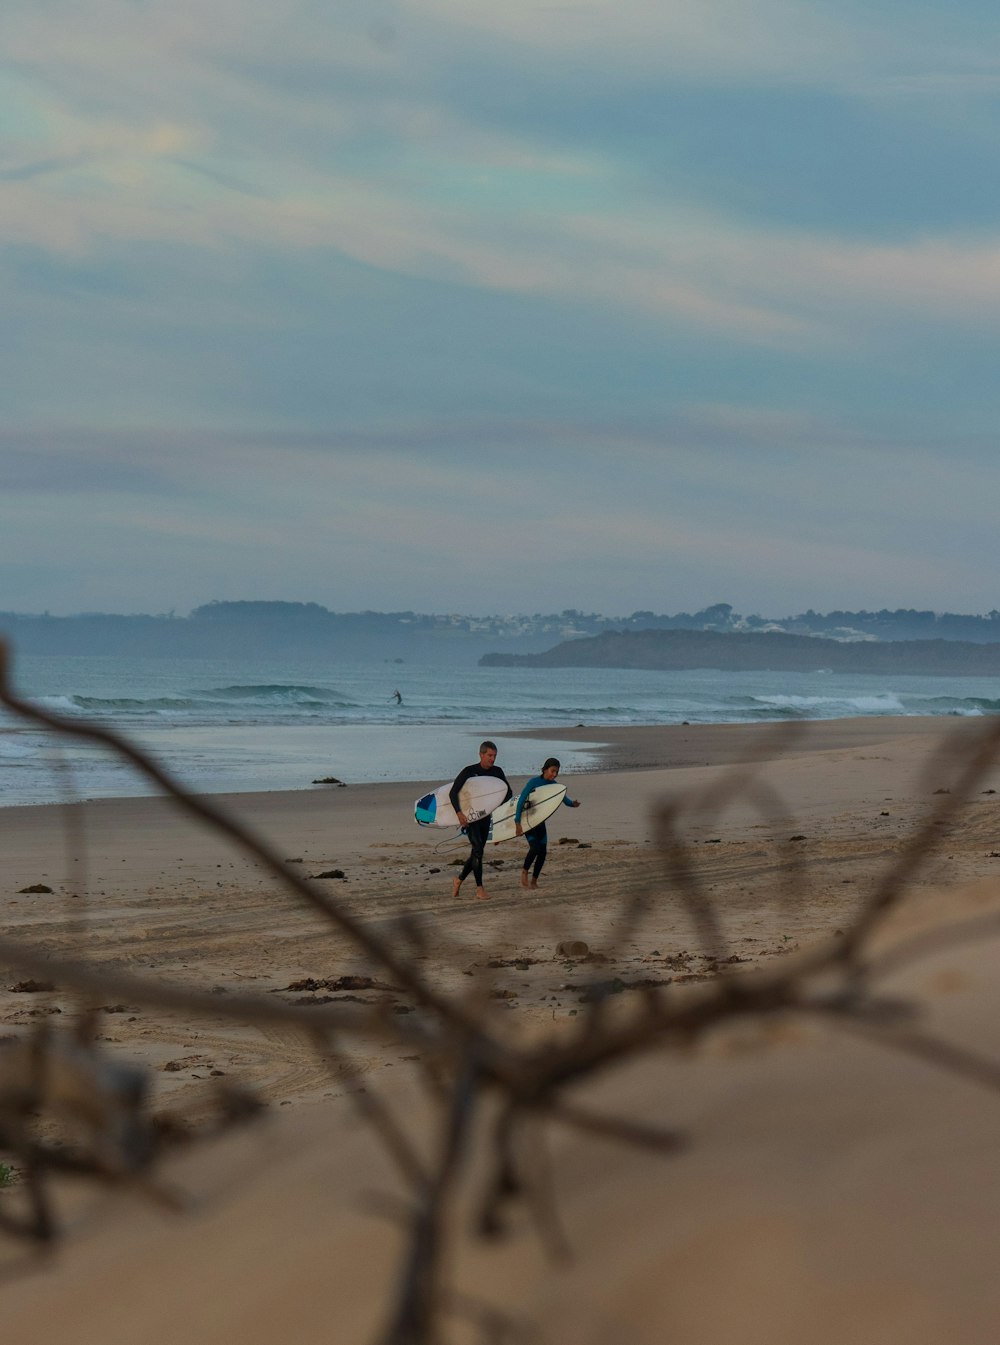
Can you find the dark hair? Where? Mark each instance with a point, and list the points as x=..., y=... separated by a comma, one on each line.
x=552, y=761
x=486, y=745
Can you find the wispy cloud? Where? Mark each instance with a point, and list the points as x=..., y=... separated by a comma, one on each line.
x=24, y=171
x=199, y=168
x=694, y=289
x=686, y=37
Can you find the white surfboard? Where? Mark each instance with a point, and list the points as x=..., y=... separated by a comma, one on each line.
x=540, y=804
x=478, y=796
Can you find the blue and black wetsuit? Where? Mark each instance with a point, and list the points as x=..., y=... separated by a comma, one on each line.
x=537, y=837
x=477, y=832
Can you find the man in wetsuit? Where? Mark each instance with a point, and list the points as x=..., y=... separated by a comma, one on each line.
x=477, y=831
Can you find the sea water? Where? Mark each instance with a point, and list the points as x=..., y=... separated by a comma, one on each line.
x=239, y=725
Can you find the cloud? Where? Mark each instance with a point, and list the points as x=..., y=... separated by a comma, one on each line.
x=715, y=38
x=646, y=290
x=408, y=182
x=31, y=467
x=751, y=286
x=22, y=172
x=676, y=516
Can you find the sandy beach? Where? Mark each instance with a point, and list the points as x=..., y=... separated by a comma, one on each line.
x=829, y=1189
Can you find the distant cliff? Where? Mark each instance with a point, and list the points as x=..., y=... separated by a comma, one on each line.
x=688, y=649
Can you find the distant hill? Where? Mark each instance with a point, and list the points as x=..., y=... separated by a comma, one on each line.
x=776, y=652
x=284, y=629
x=306, y=629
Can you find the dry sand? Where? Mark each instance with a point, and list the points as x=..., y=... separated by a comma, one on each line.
x=830, y=1190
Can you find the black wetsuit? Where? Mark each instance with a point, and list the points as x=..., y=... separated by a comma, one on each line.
x=477, y=832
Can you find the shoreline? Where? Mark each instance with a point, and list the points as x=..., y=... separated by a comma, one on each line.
x=671, y=746
x=147, y=842
x=631, y=747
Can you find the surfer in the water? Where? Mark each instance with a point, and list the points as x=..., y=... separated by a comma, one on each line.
x=477, y=831
x=537, y=837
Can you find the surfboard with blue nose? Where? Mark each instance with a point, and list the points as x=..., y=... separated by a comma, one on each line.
x=479, y=796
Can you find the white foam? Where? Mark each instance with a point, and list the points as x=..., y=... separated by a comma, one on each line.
x=63, y=704
x=889, y=703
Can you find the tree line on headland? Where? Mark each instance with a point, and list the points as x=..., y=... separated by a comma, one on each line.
x=677, y=650
x=248, y=629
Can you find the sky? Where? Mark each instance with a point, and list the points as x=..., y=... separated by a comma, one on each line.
x=450, y=306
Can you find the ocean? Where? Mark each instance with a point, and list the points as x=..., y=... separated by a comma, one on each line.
x=236, y=725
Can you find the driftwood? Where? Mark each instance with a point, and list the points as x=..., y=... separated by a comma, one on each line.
x=468, y=1060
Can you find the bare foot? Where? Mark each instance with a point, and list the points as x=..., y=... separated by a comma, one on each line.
x=482, y=894
x=533, y=883
x=524, y=877
x=456, y=884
